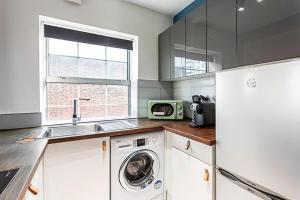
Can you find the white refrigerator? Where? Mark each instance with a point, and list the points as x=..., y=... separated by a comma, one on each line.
x=258, y=132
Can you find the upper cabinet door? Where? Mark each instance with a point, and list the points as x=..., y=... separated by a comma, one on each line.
x=177, y=45
x=221, y=34
x=267, y=30
x=196, y=41
x=164, y=56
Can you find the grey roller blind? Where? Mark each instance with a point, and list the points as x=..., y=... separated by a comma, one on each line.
x=84, y=37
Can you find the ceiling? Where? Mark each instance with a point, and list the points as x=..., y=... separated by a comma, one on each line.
x=167, y=7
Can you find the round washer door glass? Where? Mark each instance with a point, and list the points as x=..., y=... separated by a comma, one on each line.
x=139, y=170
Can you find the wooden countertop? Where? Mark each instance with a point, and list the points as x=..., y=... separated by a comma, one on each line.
x=205, y=135
x=27, y=155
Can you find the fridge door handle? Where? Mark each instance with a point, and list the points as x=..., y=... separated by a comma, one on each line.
x=266, y=195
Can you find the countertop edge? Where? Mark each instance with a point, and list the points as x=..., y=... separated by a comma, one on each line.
x=106, y=134
x=32, y=172
x=196, y=138
x=130, y=132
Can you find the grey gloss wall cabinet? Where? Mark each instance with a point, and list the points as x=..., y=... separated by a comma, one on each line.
x=239, y=33
x=267, y=31
x=186, y=40
x=221, y=34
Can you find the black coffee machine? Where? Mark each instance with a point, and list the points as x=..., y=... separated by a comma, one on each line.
x=203, y=111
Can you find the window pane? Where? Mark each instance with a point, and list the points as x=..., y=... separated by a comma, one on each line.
x=114, y=111
x=91, y=51
x=115, y=54
x=117, y=94
x=60, y=97
x=90, y=68
x=76, y=67
x=96, y=106
x=105, y=101
x=86, y=68
x=117, y=100
x=116, y=70
x=62, y=66
x=62, y=47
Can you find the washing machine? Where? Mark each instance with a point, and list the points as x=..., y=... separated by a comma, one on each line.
x=137, y=167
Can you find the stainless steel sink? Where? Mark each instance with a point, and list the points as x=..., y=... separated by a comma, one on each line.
x=84, y=129
x=115, y=125
x=67, y=130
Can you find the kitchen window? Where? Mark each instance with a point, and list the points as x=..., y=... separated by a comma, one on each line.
x=80, y=66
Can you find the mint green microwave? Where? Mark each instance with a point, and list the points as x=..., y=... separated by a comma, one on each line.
x=165, y=109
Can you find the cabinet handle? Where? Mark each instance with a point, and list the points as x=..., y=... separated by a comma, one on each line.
x=188, y=145
x=104, y=146
x=33, y=190
x=206, y=175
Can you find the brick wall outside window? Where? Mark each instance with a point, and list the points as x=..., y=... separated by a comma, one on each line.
x=105, y=101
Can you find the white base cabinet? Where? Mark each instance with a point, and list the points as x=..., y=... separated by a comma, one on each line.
x=190, y=171
x=190, y=178
x=36, y=188
x=77, y=170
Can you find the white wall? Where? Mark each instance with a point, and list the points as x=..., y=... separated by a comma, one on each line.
x=19, y=37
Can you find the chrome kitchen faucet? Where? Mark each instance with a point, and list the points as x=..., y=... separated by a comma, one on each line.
x=76, y=117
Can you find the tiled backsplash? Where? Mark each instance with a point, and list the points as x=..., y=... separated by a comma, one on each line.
x=152, y=90
x=185, y=89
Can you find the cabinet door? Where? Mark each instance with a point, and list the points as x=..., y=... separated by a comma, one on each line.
x=177, y=47
x=267, y=30
x=187, y=177
x=164, y=56
x=36, y=188
x=77, y=170
x=196, y=41
x=221, y=34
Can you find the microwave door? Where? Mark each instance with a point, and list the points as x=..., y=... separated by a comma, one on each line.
x=162, y=109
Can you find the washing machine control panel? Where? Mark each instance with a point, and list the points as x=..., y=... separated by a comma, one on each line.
x=137, y=142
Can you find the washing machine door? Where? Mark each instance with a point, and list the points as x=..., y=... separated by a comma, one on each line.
x=139, y=170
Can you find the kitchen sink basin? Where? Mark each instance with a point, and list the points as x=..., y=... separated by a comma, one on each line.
x=83, y=129
x=115, y=125
x=67, y=130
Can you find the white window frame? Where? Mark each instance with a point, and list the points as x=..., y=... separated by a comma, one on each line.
x=131, y=68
